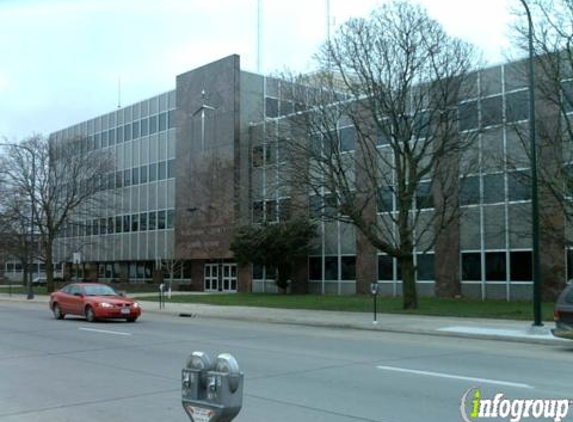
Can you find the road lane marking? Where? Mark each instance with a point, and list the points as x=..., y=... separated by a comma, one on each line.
x=455, y=377
x=117, y=333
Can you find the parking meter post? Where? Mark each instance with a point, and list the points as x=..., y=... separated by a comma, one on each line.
x=211, y=391
x=374, y=291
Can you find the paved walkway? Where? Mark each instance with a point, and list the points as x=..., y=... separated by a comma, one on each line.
x=493, y=329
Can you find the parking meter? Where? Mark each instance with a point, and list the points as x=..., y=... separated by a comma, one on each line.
x=211, y=391
x=374, y=291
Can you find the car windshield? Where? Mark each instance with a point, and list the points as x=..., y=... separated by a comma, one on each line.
x=99, y=291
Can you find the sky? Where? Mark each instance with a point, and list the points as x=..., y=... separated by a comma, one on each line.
x=61, y=60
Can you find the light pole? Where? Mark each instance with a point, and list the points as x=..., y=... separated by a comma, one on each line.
x=33, y=206
x=534, y=194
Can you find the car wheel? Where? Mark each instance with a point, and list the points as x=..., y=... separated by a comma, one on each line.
x=131, y=319
x=58, y=314
x=90, y=314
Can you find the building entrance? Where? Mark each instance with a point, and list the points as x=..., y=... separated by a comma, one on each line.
x=220, y=277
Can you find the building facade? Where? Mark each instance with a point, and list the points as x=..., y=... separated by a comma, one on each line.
x=195, y=163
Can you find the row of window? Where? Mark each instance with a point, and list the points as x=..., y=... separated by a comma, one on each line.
x=518, y=188
x=495, y=267
x=139, y=222
x=17, y=267
x=138, y=175
x=139, y=270
x=137, y=129
x=271, y=210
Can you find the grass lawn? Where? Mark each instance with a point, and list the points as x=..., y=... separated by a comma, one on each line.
x=521, y=310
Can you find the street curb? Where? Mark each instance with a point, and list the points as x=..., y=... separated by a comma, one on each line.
x=149, y=307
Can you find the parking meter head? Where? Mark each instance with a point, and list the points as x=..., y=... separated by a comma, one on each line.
x=226, y=363
x=199, y=361
x=374, y=288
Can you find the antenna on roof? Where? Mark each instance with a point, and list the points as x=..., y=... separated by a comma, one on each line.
x=328, y=20
x=259, y=35
x=119, y=92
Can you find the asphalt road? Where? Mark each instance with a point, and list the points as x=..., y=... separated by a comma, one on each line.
x=114, y=371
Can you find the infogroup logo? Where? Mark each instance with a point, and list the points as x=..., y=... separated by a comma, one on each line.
x=474, y=407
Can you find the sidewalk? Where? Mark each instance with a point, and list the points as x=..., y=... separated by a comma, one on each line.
x=492, y=329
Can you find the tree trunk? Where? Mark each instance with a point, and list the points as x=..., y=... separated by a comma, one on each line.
x=50, y=285
x=409, y=295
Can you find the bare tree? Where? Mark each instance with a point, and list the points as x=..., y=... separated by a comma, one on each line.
x=64, y=180
x=378, y=145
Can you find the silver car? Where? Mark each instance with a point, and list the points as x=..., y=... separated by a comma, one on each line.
x=563, y=314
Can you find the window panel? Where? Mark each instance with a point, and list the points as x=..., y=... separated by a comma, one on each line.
x=469, y=191
x=493, y=189
x=517, y=106
x=521, y=266
x=491, y=111
x=425, y=267
x=495, y=269
x=471, y=266
x=315, y=268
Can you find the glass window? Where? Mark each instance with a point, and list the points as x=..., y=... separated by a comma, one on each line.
x=135, y=222
x=118, y=228
x=127, y=133
x=271, y=107
x=284, y=209
x=271, y=211
x=144, y=127
x=287, y=107
x=468, y=115
x=119, y=179
x=385, y=267
x=104, y=139
x=152, y=220
x=135, y=129
x=331, y=268
x=135, y=176
x=518, y=186
x=385, y=199
x=110, y=225
x=143, y=221
x=348, y=138
x=127, y=178
x=152, y=125
x=171, y=169
x=348, y=268
x=315, y=268
x=424, y=196
x=493, y=188
x=521, y=266
x=162, y=170
x=170, y=219
x=491, y=112
x=517, y=106
x=425, y=267
x=258, y=212
x=171, y=119
x=258, y=156
x=95, y=141
x=153, y=172
x=111, y=136
x=469, y=190
x=495, y=269
x=257, y=271
x=103, y=225
x=143, y=174
x=162, y=122
x=161, y=219
x=119, y=134
x=126, y=223
x=471, y=266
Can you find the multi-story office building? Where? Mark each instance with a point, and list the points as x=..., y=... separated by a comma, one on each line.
x=195, y=163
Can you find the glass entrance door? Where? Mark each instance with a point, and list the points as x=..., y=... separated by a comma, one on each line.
x=211, y=277
x=230, y=277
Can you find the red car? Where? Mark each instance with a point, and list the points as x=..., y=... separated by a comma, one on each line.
x=94, y=301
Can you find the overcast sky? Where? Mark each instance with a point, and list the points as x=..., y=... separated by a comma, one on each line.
x=60, y=60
